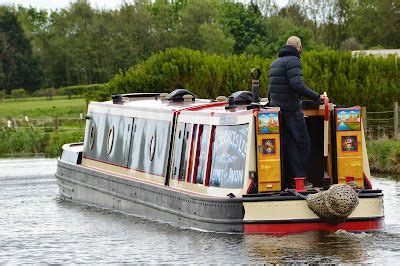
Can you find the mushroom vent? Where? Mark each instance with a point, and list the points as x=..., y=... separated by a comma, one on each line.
x=242, y=97
x=177, y=95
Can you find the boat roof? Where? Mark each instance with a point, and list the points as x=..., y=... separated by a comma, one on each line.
x=155, y=104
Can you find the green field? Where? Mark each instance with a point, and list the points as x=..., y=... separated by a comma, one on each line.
x=35, y=107
x=43, y=135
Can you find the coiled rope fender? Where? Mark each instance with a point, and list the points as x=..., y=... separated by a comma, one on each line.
x=335, y=204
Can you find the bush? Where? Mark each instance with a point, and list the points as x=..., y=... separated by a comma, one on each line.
x=366, y=80
x=57, y=140
x=80, y=90
x=48, y=93
x=206, y=75
x=18, y=93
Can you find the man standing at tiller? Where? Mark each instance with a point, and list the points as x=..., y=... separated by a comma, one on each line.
x=285, y=91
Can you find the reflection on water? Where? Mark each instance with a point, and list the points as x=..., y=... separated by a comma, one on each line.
x=36, y=227
x=322, y=247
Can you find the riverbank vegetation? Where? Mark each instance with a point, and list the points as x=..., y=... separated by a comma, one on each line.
x=37, y=126
x=384, y=155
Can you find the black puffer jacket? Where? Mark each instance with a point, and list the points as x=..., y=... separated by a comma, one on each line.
x=286, y=81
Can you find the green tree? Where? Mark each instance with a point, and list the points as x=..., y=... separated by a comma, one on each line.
x=244, y=23
x=196, y=13
x=20, y=68
x=214, y=40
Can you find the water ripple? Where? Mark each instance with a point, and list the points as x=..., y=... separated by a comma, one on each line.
x=37, y=227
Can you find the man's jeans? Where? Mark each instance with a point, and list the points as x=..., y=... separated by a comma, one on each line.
x=296, y=146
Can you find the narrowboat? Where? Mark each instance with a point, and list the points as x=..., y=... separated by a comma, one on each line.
x=217, y=165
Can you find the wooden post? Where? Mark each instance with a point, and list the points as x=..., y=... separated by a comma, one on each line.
x=55, y=124
x=396, y=119
x=364, y=119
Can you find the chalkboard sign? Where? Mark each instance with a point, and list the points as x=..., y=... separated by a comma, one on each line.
x=229, y=156
x=202, y=158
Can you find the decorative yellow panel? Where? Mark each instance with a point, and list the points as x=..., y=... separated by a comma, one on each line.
x=349, y=145
x=268, y=151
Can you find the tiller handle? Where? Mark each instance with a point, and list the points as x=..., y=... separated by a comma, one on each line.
x=326, y=124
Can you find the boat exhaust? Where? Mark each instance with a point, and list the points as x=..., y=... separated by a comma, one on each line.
x=255, y=74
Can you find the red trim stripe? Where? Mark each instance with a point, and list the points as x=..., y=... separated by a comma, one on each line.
x=200, y=107
x=250, y=186
x=287, y=228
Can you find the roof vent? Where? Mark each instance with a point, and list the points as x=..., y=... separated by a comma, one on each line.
x=221, y=99
x=177, y=95
x=117, y=99
x=163, y=96
x=188, y=98
x=242, y=97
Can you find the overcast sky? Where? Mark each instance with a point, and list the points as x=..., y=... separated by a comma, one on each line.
x=54, y=4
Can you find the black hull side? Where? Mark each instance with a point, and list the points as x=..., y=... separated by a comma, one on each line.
x=88, y=186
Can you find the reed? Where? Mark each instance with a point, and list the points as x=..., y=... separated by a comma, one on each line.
x=384, y=155
x=31, y=142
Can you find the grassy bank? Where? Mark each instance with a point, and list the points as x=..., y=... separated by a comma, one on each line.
x=384, y=155
x=43, y=134
x=35, y=107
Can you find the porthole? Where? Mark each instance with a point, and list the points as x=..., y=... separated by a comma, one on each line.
x=152, y=148
x=110, y=140
x=92, y=136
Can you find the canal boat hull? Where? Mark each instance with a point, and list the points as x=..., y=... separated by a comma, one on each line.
x=253, y=214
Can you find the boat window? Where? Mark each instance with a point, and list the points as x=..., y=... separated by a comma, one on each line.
x=186, y=151
x=110, y=139
x=201, y=154
x=150, y=146
x=178, y=142
x=181, y=150
x=92, y=136
x=229, y=156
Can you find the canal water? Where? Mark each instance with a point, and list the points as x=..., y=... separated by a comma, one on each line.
x=36, y=227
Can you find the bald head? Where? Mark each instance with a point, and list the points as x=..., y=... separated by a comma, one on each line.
x=294, y=41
